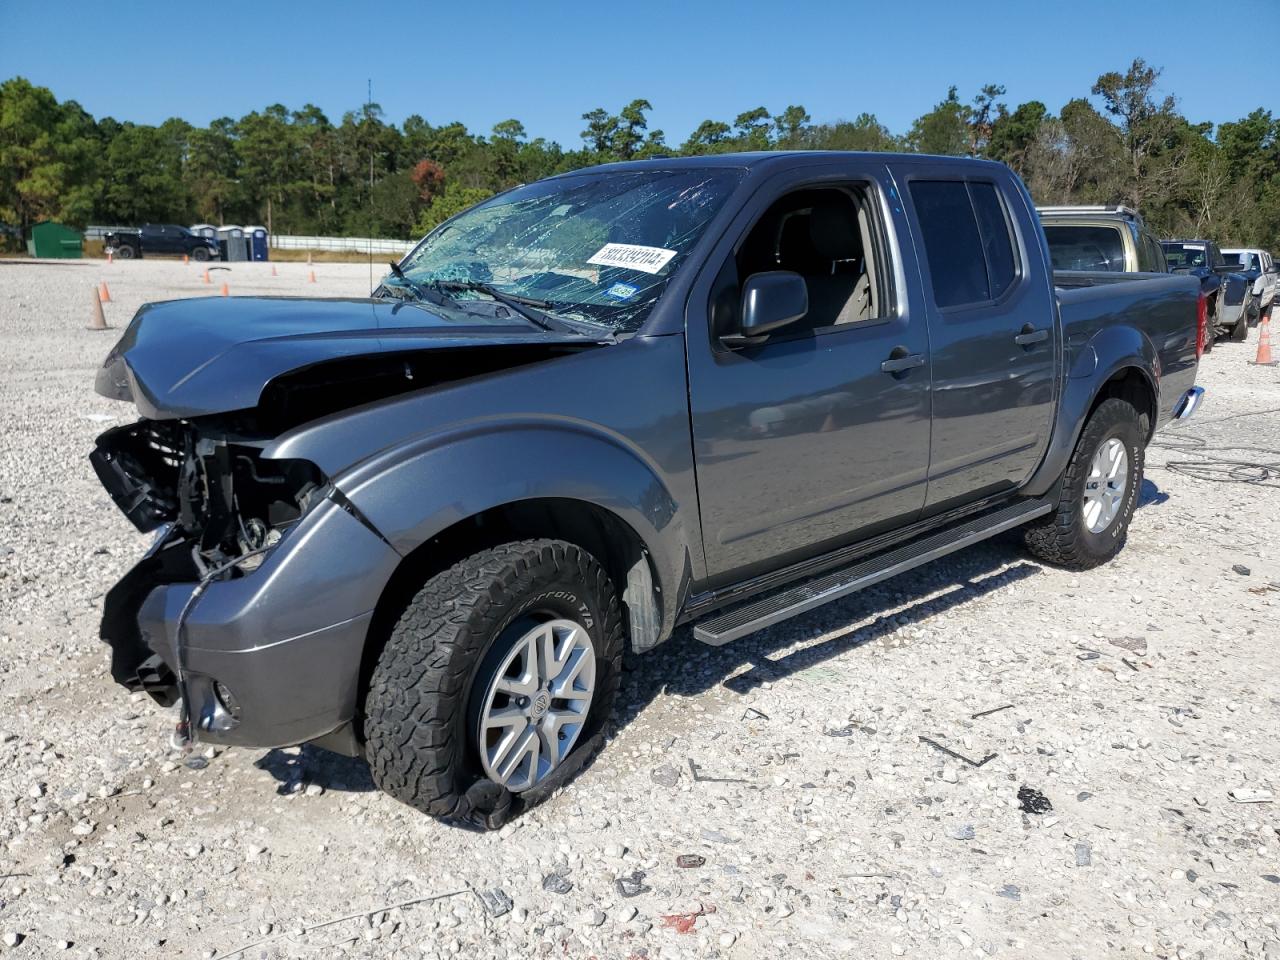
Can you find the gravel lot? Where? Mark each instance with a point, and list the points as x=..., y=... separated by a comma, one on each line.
x=1140, y=699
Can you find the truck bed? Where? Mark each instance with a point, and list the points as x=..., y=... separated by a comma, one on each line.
x=1148, y=309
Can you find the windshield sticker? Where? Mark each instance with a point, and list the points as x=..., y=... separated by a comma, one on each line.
x=632, y=256
x=621, y=291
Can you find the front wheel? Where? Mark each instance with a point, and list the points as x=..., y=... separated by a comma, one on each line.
x=1098, y=493
x=200, y=254
x=125, y=252
x=496, y=681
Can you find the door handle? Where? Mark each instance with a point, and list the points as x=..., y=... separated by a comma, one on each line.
x=899, y=360
x=1030, y=335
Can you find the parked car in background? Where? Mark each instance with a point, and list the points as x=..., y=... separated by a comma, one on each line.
x=1228, y=306
x=424, y=526
x=1259, y=266
x=164, y=238
x=1114, y=239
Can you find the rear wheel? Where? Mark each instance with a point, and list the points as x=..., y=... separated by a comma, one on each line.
x=1098, y=493
x=495, y=682
x=1240, y=332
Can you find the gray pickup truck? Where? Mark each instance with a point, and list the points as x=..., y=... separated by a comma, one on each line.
x=424, y=526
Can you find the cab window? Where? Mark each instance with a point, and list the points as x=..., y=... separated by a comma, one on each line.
x=830, y=236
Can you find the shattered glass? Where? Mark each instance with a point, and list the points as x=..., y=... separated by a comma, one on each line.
x=597, y=247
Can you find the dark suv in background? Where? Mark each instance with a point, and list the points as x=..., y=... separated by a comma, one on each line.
x=166, y=238
x=1227, y=290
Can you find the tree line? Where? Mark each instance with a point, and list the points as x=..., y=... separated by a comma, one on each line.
x=299, y=172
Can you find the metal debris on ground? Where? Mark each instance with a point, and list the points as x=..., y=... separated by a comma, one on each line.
x=699, y=778
x=958, y=756
x=496, y=901
x=1031, y=800
x=845, y=731
x=1088, y=655
x=987, y=713
x=1241, y=569
x=751, y=713
x=688, y=860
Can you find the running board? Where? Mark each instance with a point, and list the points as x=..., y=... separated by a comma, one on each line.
x=792, y=601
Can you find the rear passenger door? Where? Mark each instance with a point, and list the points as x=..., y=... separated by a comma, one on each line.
x=993, y=337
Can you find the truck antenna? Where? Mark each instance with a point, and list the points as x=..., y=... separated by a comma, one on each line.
x=368, y=114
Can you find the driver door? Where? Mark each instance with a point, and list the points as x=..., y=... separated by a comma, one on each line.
x=819, y=435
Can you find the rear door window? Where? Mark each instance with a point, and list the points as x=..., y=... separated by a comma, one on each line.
x=997, y=238
x=952, y=242
x=967, y=239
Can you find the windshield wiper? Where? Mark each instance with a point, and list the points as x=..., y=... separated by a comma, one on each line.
x=528, y=307
x=418, y=290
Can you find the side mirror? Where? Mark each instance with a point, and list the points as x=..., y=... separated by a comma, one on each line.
x=770, y=301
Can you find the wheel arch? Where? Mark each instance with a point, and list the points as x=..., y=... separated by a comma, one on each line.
x=619, y=548
x=1129, y=377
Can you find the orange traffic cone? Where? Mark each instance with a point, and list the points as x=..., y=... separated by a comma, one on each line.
x=185, y=260
x=1263, y=359
x=273, y=271
x=308, y=258
x=109, y=260
x=225, y=291
x=105, y=295
x=97, y=321
x=206, y=275
x=311, y=276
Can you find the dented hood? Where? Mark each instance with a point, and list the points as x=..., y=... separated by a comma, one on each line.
x=190, y=358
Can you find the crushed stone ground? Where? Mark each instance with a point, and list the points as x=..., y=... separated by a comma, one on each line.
x=1136, y=700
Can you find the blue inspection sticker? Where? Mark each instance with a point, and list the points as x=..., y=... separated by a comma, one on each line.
x=621, y=291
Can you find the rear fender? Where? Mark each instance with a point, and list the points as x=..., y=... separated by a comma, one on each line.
x=1092, y=363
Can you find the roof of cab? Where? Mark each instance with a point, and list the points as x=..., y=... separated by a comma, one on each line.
x=769, y=159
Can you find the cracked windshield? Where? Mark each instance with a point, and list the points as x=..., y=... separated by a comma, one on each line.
x=595, y=249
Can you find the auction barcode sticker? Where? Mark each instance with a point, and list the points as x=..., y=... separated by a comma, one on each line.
x=632, y=256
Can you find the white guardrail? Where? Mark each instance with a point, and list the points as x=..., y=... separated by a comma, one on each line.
x=352, y=244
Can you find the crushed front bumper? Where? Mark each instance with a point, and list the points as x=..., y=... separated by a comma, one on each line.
x=268, y=659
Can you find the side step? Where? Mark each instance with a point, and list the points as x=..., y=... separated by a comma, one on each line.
x=792, y=601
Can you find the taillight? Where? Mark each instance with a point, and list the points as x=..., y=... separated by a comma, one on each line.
x=1202, y=323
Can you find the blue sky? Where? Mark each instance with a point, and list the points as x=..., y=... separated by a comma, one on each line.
x=548, y=63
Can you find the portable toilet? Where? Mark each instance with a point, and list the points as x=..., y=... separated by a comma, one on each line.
x=49, y=239
x=257, y=240
x=207, y=230
x=231, y=240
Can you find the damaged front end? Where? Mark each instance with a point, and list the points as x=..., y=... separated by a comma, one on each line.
x=217, y=508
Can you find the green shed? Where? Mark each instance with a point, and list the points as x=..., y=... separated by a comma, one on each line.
x=49, y=239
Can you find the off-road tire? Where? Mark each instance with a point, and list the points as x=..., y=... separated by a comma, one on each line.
x=125, y=252
x=200, y=254
x=1240, y=332
x=1063, y=538
x=420, y=747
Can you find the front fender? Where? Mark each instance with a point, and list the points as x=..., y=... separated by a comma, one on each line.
x=413, y=493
